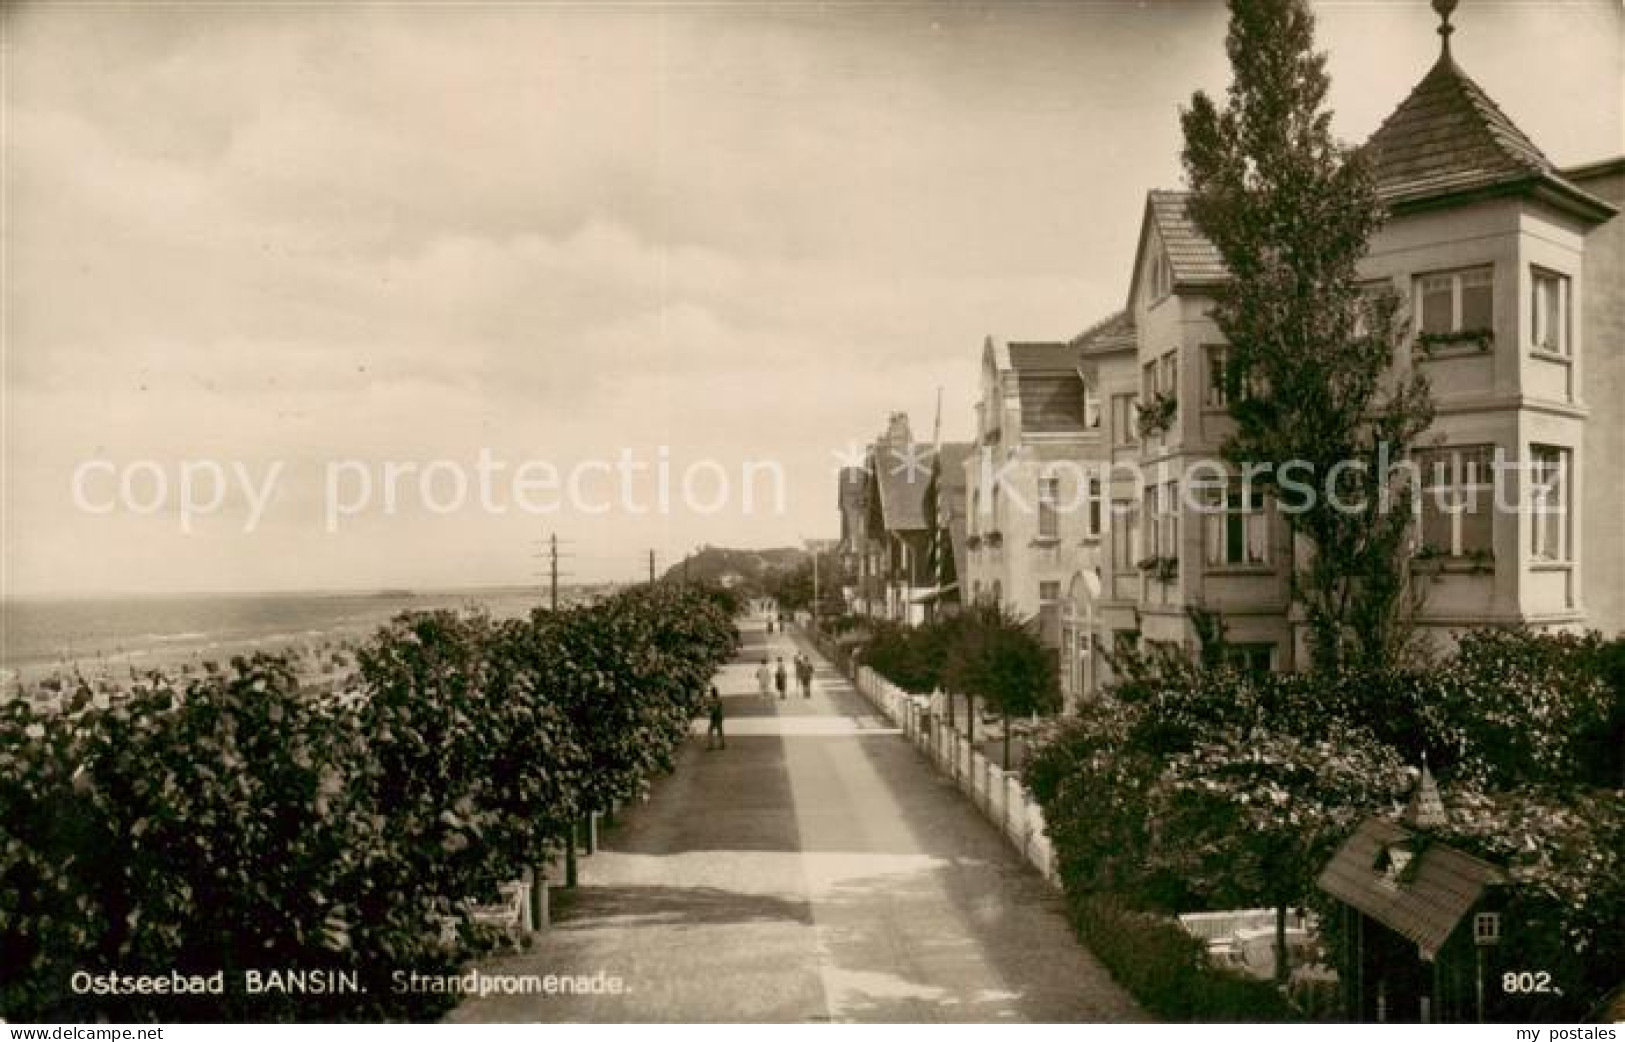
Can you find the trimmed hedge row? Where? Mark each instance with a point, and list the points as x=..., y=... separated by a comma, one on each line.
x=1166, y=969
x=233, y=824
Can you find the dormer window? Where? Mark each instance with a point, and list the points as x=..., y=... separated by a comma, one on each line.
x=1392, y=862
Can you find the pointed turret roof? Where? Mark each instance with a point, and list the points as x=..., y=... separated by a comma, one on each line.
x=1426, y=810
x=1449, y=140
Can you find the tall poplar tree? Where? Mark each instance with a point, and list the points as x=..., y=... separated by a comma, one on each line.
x=1310, y=369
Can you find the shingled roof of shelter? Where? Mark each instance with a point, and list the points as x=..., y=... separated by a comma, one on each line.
x=1430, y=898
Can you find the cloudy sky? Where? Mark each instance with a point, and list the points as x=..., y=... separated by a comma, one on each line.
x=335, y=237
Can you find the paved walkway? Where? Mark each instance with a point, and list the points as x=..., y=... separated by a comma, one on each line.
x=815, y=870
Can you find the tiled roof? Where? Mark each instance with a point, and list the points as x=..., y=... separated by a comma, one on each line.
x=1114, y=331
x=1449, y=137
x=1194, y=259
x=1046, y=376
x=956, y=537
x=952, y=458
x=1431, y=896
x=853, y=485
x=1041, y=355
x=1051, y=400
x=902, y=476
x=952, y=507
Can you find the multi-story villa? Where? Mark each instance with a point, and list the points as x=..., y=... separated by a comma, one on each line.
x=1081, y=510
x=1487, y=243
x=894, y=573
x=1602, y=316
x=1037, y=481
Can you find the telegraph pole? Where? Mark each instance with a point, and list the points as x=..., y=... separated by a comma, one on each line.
x=551, y=575
x=553, y=553
x=651, y=567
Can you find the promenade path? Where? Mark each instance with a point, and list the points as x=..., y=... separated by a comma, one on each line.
x=815, y=870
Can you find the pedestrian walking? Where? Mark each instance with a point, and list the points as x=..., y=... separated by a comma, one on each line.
x=780, y=679
x=764, y=679
x=714, y=733
x=805, y=671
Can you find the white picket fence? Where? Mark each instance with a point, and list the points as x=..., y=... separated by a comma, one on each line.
x=999, y=796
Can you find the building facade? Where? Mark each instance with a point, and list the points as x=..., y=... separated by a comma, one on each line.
x=1037, y=486
x=1096, y=501
x=1489, y=246
x=1602, y=316
x=894, y=576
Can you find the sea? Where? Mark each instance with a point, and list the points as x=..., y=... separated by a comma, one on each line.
x=43, y=634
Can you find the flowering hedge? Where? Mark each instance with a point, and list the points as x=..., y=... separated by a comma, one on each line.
x=1200, y=786
x=233, y=823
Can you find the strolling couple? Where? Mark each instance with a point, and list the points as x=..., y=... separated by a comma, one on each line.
x=769, y=679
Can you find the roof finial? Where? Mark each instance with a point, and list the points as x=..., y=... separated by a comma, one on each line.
x=1444, y=9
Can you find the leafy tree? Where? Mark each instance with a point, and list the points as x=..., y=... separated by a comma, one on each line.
x=1310, y=367
x=433, y=687
x=793, y=588
x=912, y=657
x=1250, y=816
x=996, y=655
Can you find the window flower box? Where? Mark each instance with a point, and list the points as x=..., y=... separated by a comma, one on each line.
x=1160, y=569
x=1157, y=414
x=1432, y=343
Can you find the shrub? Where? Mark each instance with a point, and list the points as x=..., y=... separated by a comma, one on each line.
x=1166, y=969
x=235, y=823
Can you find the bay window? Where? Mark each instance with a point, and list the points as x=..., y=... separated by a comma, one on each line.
x=1236, y=526
x=1457, y=501
x=1549, y=312
x=1457, y=302
x=1549, y=502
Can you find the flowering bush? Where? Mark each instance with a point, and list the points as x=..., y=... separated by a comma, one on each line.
x=1199, y=785
x=1564, y=850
